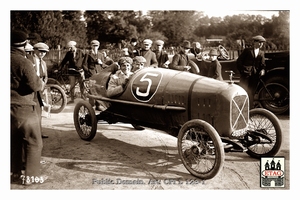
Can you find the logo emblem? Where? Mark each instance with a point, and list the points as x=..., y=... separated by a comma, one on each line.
x=272, y=172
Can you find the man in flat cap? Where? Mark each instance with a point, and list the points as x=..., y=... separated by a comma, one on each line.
x=161, y=55
x=40, y=50
x=25, y=128
x=138, y=63
x=148, y=54
x=133, y=48
x=119, y=80
x=180, y=60
x=75, y=59
x=251, y=64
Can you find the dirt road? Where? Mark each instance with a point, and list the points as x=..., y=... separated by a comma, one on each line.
x=120, y=157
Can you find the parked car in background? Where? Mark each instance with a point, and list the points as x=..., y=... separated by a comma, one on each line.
x=272, y=91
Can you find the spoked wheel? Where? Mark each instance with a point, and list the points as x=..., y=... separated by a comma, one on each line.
x=266, y=123
x=58, y=98
x=274, y=97
x=224, y=52
x=85, y=120
x=200, y=149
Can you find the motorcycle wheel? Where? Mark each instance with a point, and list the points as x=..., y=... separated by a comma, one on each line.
x=200, y=149
x=262, y=119
x=85, y=120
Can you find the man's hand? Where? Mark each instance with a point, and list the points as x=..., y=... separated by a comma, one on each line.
x=187, y=68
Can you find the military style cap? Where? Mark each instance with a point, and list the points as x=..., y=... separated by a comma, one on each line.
x=123, y=60
x=213, y=52
x=147, y=41
x=41, y=46
x=139, y=59
x=259, y=38
x=28, y=47
x=159, y=42
x=95, y=43
x=71, y=44
x=186, y=44
x=18, y=38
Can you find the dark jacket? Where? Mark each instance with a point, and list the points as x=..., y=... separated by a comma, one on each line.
x=90, y=63
x=215, y=70
x=179, y=61
x=150, y=57
x=162, y=57
x=248, y=64
x=74, y=62
x=23, y=79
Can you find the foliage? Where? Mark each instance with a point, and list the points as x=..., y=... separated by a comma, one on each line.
x=118, y=27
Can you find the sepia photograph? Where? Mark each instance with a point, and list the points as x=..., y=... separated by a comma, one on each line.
x=143, y=99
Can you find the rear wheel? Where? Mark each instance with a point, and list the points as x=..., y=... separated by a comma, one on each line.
x=275, y=97
x=85, y=120
x=58, y=98
x=267, y=123
x=200, y=149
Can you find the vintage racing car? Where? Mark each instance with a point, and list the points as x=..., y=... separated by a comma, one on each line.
x=208, y=117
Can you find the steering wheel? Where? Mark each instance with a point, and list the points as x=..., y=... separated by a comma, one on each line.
x=224, y=52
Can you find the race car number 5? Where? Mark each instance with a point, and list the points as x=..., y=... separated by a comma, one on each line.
x=143, y=79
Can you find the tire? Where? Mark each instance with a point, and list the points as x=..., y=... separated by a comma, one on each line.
x=274, y=97
x=200, y=149
x=262, y=119
x=85, y=120
x=58, y=98
x=194, y=67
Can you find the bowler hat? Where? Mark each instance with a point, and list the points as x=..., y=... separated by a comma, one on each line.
x=259, y=38
x=213, y=52
x=41, y=46
x=18, y=38
x=186, y=44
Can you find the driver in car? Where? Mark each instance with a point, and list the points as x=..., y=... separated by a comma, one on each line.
x=119, y=80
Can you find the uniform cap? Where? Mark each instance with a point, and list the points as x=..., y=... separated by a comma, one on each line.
x=147, y=41
x=95, y=43
x=213, y=52
x=41, y=46
x=123, y=60
x=159, y=42
x=259, y=38
x=139, y=59
x=133, y=40
x=71, y=44
x=18, y=38
x=28, y=47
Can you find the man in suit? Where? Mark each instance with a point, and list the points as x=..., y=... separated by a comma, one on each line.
x=161, y=55
x=148, y=54
x=251, y=64
x=40, y=50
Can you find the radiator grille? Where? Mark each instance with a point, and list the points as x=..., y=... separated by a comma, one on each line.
x=239, y=112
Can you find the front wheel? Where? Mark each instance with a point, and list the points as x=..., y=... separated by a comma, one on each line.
x=85, y=120
x=58, y=98
x=267, y=123
x=200, y=149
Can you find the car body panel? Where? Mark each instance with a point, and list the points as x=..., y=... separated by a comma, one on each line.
x=166, y=99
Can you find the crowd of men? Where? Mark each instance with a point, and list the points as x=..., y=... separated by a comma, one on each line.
x=29, y=77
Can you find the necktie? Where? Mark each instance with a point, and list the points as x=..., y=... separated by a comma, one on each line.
x=41, y=69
